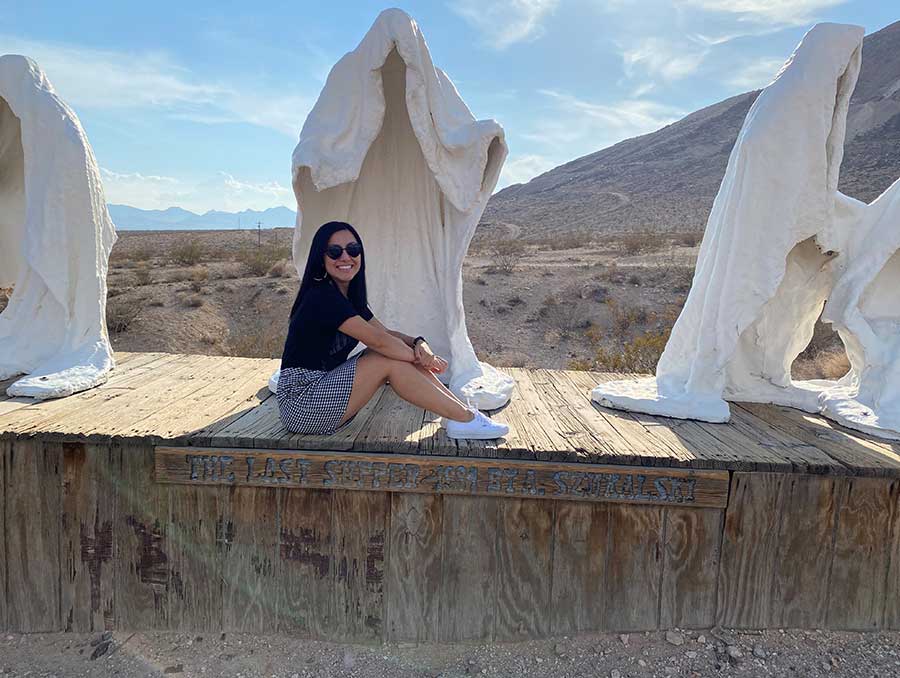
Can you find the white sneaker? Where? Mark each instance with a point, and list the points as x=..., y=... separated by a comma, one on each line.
x=480, y=428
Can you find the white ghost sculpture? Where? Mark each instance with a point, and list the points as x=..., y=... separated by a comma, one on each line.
x=55, y=240
x=771, y=250
x=864, y=308
x=391, y=148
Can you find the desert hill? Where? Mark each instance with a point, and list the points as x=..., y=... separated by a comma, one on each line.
x=666, y=181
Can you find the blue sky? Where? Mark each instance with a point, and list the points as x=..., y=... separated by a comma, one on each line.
x=199, y=104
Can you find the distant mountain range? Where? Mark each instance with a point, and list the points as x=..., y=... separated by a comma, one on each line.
x=666, y=181
x=127, y=218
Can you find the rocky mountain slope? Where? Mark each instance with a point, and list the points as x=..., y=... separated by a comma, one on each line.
x=666, y=181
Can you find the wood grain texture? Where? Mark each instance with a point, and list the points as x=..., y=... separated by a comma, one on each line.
x=634, y=567
x=250, y=590
x=803, y=563
x=440, y=475
x=413, y=571
x=5, y=447
x=195, y=552
x=691, y=568
x=305, y=568
x=141, y=550
x=860, y=566
x=34, y=506
x=360, y=540
x=88, y=516
x=580, y=548
x=524, y=567
x=468, y=583
x=892, y=582
x=749, y=550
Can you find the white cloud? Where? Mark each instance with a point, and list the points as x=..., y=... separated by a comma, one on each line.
x=105, y=79
x=755, y=75
x=601, y=124
x=505, y=22
x=221, y=191
x=660, y=58
x=791, y=12
x=523, y=168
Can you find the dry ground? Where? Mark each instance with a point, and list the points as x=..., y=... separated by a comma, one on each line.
x=698, y=654
x=568, y=302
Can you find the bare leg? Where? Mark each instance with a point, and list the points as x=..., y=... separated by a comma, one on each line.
x=410, y=382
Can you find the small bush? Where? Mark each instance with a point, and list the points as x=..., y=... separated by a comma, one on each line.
x=634, y=279
x=142, y=253
x=280, y=269
x=122, y=313
x=688, y=239
x=506, y=254
x=186, y=251
x=639, y=355
x=565, y=317
x=258, y=260
x=194, y=301
x=142, y=275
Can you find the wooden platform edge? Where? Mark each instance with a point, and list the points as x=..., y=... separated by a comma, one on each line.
x=441, y=475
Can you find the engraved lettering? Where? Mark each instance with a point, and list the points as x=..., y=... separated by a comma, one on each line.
x=412, y=476
x=661, y=490
x=194, y=462
x=250, y=461
x=225, y=466
x=560, y=479
x=379, y=471
x=332, y=478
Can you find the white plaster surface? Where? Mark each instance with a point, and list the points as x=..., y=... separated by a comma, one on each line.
x=864, y=308
x=771, y=250
x=55, y=240
x=391, y=148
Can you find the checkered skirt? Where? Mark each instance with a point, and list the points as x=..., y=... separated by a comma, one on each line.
x=312, y=402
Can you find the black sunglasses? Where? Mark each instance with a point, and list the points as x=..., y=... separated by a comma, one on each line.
x=354, y=249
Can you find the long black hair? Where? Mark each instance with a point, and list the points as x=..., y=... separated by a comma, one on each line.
x=315, y=274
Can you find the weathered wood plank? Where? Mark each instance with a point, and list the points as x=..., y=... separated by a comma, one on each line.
x=892, y=584
x=859, y=570
x=195, y=545
x=691, y=567
x=88, y=516
x=250, y=587
x=5, y=447
x=468, y=583
x=859, y=453
x=41, y=416
x=360, y=533
x=749, y=550
x=394, y=427
x=441, y=475
x=140, y=554
x=413, y=572
x=803, y=563
x=305, y=570
x=524, y=550
x=33, y=508
x=580, y=548
x=634, y=567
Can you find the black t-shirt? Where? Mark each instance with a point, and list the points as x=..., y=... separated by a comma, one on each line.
x=313, y=339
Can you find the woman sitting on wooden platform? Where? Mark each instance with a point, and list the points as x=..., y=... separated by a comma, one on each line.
x=320, y=389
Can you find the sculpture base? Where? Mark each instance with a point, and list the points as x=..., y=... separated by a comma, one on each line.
x=642, y=395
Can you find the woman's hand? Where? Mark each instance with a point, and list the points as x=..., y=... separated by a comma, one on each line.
x=427, y=359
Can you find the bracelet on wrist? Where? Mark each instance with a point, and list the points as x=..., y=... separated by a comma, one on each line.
x=417, y=340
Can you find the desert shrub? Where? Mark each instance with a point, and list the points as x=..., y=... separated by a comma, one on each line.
x=565, y=316
x=199, y=274
x=142, y=275
x=186, y=251
x=596, y=293
x=257, y=260
x=122, y=313
x=257, y=339
x=480, y=281
x=621, y=319
x=142, y=253
x=639, y=355
x=561, y=241
x=512, y=302
x=194, y=301
x=280, y=269
x=506, y=254
x=634, y=279
x=688, y=239
x=157, y=303
x=632, y=244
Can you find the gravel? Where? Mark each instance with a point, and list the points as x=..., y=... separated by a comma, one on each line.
x=781, y=654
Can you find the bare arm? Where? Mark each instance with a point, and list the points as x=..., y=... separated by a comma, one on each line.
x=374, y=335
x=405, y=338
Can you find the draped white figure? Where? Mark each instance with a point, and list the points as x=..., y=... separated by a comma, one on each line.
x=391, y=148
x=773, y=247
x=55, y=240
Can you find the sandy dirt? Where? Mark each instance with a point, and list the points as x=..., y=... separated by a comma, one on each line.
x=697, y=654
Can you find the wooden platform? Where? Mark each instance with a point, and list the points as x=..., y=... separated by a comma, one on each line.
x=805, y=531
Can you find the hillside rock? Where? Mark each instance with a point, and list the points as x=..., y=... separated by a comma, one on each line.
x=666, y=181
